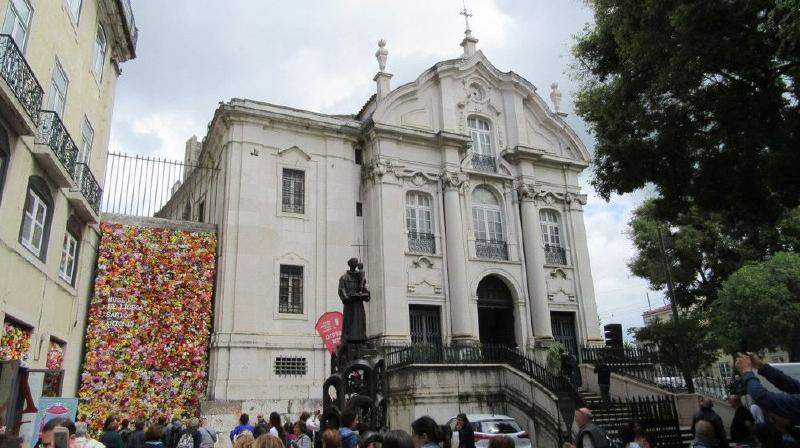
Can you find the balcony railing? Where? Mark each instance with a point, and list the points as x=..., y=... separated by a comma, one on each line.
x=18, y=75
x=497, y=250
x=555, y=255
x=420, y=242
x=484, y=162
x=53, y=134
x=88, y=185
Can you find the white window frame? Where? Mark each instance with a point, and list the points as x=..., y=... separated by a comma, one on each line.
x=99, y=54
x=55, y=90
x=74, y=8
x=419, y=212
x=292, y=193
x=87, y=139
x=69, y=258
x=13, y=23
x=487, y=219
x=33, y=204
x=550, y=223
x=480, y=130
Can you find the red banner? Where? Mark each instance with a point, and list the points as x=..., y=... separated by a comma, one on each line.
x=329, y=327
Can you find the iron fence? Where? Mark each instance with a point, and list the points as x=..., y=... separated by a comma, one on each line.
x=156, y=187
x=657, y=415
x=497, y=250
x=484, y=162
x=53, y=133
x=556, y=255
x=19, y=77
x=88, y=186
x=420, y=242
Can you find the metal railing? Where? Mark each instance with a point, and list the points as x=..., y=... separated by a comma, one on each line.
x=19, y=77
x=420, y=242
x=484, y=162
x=497, y=250
x=555, y=255
x=155, y=187
x=53, y=133
x=88, y=186
x=658, y=415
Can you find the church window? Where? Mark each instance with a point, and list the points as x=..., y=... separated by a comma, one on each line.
x=552, y=237
x=290, y=366
x=293, y=197
x=291, y=290
x=487, y=219
x=419, y=223
x=480, y=131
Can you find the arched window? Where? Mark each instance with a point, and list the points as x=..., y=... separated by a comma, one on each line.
x=35, y=229
x=552, y=237
x=483, y=157
x=419, y=223
x=70, y=250
x=487, y=219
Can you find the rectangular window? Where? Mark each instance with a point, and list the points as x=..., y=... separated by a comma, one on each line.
x=58, y=90
x=87, y=136
x=291, y=290
x=293, y=197
x=33, y=223
x=725, y=370
x=359, y=209
x=291, y=365
x=18, y=21
x=99, y=57
x=69, y=256
x=74, y=10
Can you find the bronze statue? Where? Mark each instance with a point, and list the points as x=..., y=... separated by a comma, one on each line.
x=353, y=292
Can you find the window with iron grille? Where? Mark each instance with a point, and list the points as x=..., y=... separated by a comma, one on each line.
x=294, y=189
x=291, y=290
x=291, y=365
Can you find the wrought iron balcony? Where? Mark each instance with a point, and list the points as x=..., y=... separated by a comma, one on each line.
x=497, y=250
x=422, y=243
x=55, y=149
x=88, y=186
x=484, y=162
x=21, y=83
x=555, y=255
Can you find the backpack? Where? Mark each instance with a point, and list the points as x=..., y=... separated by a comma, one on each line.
x=186, y=441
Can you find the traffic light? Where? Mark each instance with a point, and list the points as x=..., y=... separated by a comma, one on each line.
x=613, y=335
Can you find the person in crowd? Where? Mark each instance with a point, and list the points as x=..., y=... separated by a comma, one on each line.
x=125, y=431
x=466, y=435
x=786, y=404
x=349, y=422
x=743, y=422
x=603, y=372
x=110, y=436
x=154, y=436
x=260, y=419
x=312, y=423
x=790, y=435
x=758, y=414
x=331, y=438
x=501, y=442
x=172, y=431
x=706, y=413
x=208, y=435
x=447, y=436
x=397, y=439
x=46, y=438
x=259, y=430
x=641, y=436
x=425, y=433
x=190, y=436
x=302, y=439
x=627, y=436
x=705, y=435
x=244, y=425
x=587, y=434
x=82, y=437
x=268, y=441
x=288, y=429
x=276, y=428
x=245, y=440
x=136, y=439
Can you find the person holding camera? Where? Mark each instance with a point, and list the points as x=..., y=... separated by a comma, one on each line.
x=786, y=405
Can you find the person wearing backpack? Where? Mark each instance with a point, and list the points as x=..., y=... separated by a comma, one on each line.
x=208, y=435
x=190, y=437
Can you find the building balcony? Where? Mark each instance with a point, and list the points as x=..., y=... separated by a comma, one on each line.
x=55, y=150
x=20, y=92
x=496, y=250
x=555, y=255
x=85, y=198
x=422, y=243
x=484, y=162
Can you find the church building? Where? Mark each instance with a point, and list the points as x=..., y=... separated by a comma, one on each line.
x=458, y=191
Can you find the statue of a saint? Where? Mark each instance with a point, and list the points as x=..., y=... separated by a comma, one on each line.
x=353, y=292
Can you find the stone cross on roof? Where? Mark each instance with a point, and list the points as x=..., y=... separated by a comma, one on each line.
x=466, y=14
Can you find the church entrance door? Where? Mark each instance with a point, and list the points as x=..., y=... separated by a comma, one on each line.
x=495, y=312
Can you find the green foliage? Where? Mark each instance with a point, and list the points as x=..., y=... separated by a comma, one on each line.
x=700, y=99
x=685, y=345
x=553, y=357
x=761, y=303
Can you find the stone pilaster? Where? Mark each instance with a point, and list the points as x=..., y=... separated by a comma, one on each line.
x=461, y=328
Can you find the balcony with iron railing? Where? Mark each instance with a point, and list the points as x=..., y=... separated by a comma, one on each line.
x=422, y=243
x=492, y=249
x=20, y=92
x=555, y=255
x=484, y=162
x=90, y=193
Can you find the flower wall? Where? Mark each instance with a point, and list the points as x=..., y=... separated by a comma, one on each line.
x=149, y=323
x=15, y=343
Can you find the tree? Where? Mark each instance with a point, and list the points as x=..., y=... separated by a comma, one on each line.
x=700, y=99
x=686, y=345
x=761, y=303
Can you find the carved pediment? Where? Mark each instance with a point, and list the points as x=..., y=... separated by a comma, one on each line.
x=424, y=277
x=560, y=287
x=294, y=153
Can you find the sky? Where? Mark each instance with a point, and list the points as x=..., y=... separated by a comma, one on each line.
x=319, y=55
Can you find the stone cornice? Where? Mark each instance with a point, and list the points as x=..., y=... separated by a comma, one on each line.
x=527, y=153
x=377, y=169
x=548, y=196
x=429, y=138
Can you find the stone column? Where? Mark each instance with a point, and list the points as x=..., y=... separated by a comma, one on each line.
x=461, y=330
x=534, y=263
x=583, y=268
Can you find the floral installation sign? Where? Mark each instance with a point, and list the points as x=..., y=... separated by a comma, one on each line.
x=149, y=323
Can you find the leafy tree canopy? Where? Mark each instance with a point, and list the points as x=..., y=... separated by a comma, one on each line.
x=700, y=99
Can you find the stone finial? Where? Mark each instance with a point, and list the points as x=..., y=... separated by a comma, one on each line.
x=381, y=55
x=555, y=97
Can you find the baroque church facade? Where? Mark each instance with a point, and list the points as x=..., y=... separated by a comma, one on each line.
x=459, y=192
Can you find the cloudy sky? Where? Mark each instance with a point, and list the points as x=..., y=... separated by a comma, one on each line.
x=319, y=55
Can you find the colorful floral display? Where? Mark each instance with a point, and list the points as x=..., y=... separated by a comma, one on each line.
x=15, y=343
x=55, y=356
x=149, y=323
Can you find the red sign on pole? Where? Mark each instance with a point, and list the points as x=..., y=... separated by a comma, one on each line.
x=329, y=327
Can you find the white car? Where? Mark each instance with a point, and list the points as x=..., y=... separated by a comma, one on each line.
x=487, y=426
